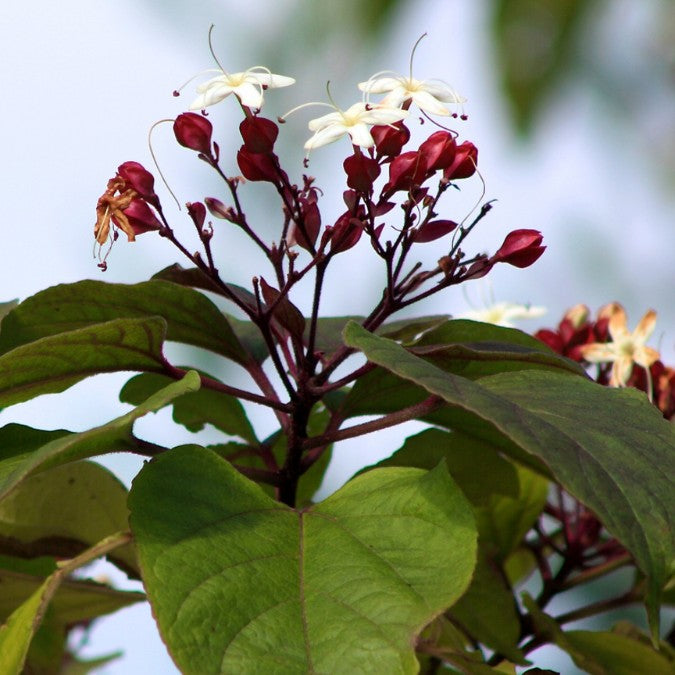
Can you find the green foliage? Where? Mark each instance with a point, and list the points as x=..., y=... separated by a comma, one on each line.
x=409, y=563
x=379, y=559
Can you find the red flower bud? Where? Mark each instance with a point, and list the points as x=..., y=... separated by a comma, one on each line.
x=345, y=233
x=520, y=248
x=197, y=211
x=140, y=217
x=465, y=162
x=140, y=180
x=259, y=134
x=257, y=166
x=434, y=229
x=311, y=224
x=406, y=171
x=193, y=131
x=439, y=150
x=361, y=172
x=390, y=138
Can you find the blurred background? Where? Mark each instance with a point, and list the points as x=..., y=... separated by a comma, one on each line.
x=570, y=102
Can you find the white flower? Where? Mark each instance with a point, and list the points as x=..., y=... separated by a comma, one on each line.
x=503, y=313
x=246, y=86
x=353, y=121
x=428, y=95
x=625, y=349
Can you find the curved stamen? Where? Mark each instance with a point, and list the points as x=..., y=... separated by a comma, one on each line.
x=154, y=159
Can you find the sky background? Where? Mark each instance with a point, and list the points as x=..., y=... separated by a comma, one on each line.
x=84, y=81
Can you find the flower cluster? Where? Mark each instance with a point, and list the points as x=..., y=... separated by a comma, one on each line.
x=607, y=342
x=382, y=172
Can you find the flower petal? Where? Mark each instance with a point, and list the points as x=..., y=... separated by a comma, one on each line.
x=380, y=85
x=360, y=135
x=249, y=94
x=325, y=136
x=425, y=101
x=645, y=328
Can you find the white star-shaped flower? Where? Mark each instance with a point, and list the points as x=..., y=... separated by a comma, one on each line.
x=247, y=87
x=429, y=95
x=503, y=313
x=354, y=121
x=625, y=348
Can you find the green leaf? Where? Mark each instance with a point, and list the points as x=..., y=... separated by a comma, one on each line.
x=65, y=510
x=475, y=466
x=609, y=448
x=474, y=349
x=269, y=586
x=6, y=307
x=504, y=520
x=190, y=317
x=194, y=409
x=52, y=364
x=600, y=652
x=115, y=436
x=488, y=612
x=74, y=602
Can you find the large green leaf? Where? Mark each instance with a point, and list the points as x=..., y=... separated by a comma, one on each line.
x=194, y=409
x=190, y=316
x=51, y=364
x=63, y=447
x=65, y=510
x=241, y=583
x=610, y=448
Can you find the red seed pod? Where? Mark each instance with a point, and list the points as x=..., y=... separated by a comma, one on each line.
x=139, y=179
x=464, y=163
x=406, y=172
x=193, y=131
x=390, y=138
x=520, y=248
x=140, y=217
x=434, y=229
x=439, y=150
x=257, y=166
x=259, y=134
x=361, y=172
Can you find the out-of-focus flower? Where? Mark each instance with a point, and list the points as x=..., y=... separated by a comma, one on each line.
x=353, y=121
x=624, y=348
x=247, y=87
x=428, y=95
x=503, y=313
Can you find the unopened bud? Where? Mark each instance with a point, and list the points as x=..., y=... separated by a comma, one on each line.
x=194, y=131
x=259, y=134
x=520, y=248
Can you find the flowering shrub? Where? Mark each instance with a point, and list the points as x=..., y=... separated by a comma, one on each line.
x=526, y=467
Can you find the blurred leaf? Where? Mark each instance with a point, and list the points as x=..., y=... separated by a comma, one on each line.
x=600, y=652
x=535, y=43
x=379, y=558
x=65, y=510
x=488, y=612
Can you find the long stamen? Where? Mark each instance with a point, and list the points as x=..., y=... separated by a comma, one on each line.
x=412, y=53
x=154, y=159
x=213, y=54
x=176, y=92
x=282, y=118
